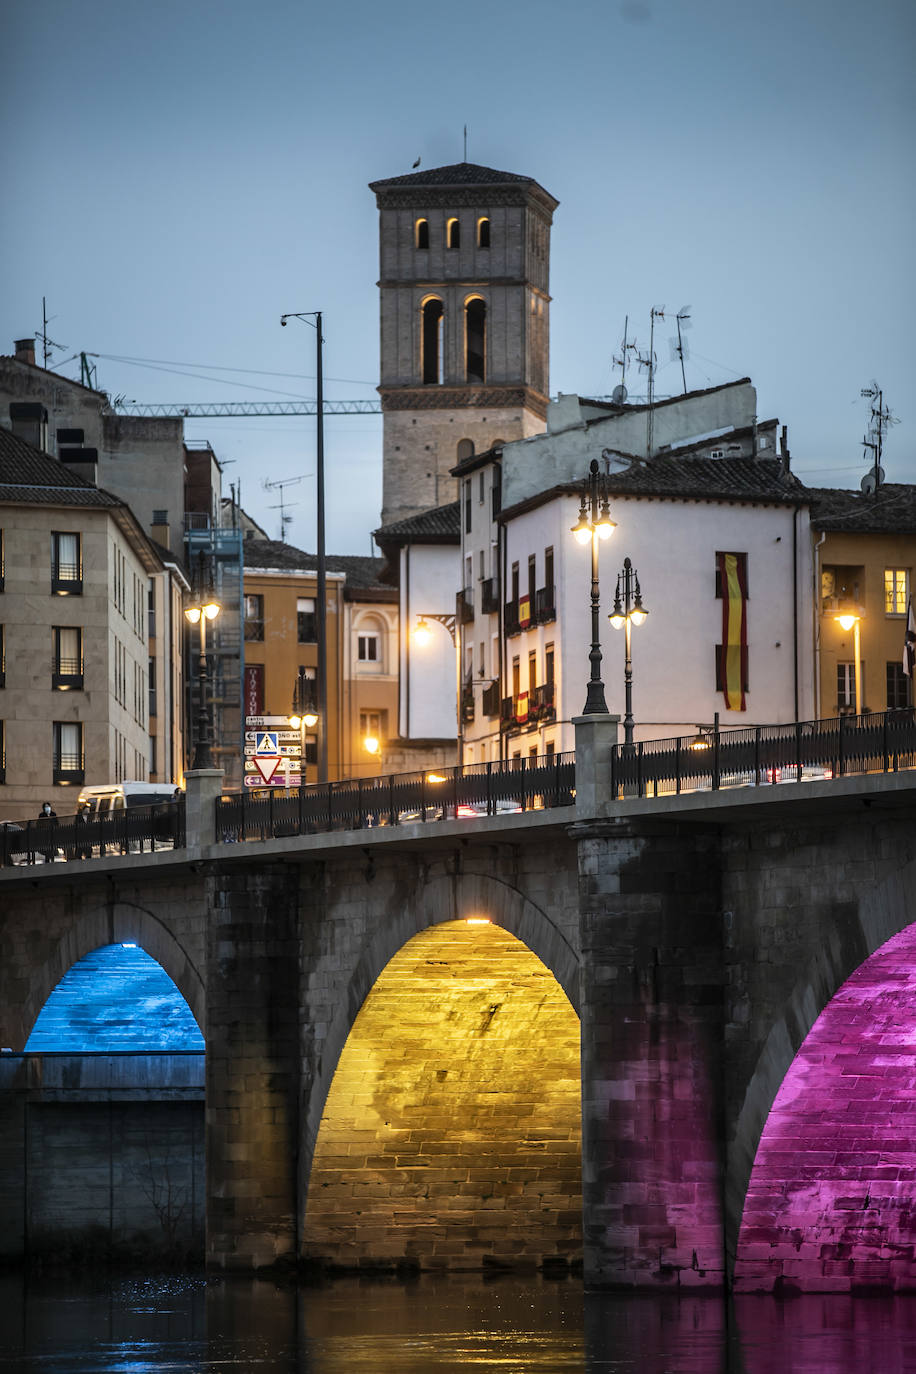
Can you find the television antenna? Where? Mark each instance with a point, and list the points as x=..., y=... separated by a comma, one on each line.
x=679, y=349
x=282, y=505
x=46, y=343
x=650, y=362
x=873, y=440
x=619, y=394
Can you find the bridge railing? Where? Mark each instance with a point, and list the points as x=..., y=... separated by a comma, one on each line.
x=135, y=830
x=481, y=789
x=763, y=755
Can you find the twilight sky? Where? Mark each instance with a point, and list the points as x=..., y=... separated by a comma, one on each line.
x=176, y=175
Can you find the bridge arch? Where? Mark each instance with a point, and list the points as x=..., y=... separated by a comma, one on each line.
x=459, y=1055
x=828, y=1044
x=115, y=923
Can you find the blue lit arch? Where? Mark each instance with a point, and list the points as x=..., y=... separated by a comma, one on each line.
x=115, y=998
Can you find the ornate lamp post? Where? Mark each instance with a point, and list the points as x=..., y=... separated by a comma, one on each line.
x=627, y=612
x=204, y=608
x=594, y=523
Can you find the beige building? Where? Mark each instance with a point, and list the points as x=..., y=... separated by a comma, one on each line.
x=865, y=551
x=74, y=610
x=281, y=635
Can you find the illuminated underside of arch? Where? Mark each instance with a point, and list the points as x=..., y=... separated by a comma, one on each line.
x=451, y=1134
x=831, y=1205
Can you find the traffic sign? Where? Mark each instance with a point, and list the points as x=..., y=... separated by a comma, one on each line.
x=293, y=750
x=289, y=736
x=266, y=722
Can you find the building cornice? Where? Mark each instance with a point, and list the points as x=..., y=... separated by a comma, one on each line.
x=463, y=398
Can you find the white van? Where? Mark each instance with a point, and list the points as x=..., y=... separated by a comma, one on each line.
x=121, y=795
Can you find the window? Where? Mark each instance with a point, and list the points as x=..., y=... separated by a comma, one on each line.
x=532, y=672
x=306, y=620
x=421, y=230
x=452, y=233
x=431, y=341
x=896, y=591
x=532, y=578
x=2, y=751
x=367, y=648
x=465, y=449
x=66, y=564
x=482, y=564
x=516, y=676
x=846, y=685
x=897, y=684
x=151, y=612
x=152, y=690
x=2, y=655
x=483, y=232
x=67, y=666
x=496, y=491
x=515, y=582
x=311, y=748
x=475, y=339
x=467, y=508
x=480, y=486
x=254, y=617
x=548, y=568
x=2, y=562
x=548, y=665
x=482, y=659
x=373, y=725
x=68, y=751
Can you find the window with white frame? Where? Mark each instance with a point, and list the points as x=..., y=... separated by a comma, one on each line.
x=367, y=648
x=896, y=590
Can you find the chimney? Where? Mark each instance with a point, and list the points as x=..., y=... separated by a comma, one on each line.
x=25, y=351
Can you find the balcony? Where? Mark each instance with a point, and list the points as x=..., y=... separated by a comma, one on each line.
x=489, y=702
x=67, y=674
x=68, y=768
x=510, y=618
x=489, y=596
x=545, y=608
x=464, y=605
x=542, y=705
x=467, y=705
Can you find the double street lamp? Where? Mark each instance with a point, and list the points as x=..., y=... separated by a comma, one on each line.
x=304, y=716
x=594, y=524
x=628, y=610
x=204, y=608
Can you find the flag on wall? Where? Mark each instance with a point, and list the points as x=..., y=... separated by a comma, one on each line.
x=524, y=612
x=521, y=708
x=909, y=640
x=733, y=666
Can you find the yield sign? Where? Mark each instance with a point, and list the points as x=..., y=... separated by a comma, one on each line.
x=266, y=753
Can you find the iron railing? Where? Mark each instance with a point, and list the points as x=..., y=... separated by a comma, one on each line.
x=480, y=789
x=131, y=831
x=880, y=742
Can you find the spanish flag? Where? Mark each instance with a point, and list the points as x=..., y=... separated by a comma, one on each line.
x=521, y=708
x=733, y=668
x=524, y=612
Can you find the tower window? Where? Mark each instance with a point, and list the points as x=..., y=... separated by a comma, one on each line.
x=432, y=341
x=465, y=449
x=475, y=339
x=483, y=233
x=452, y=234
x=421, y=230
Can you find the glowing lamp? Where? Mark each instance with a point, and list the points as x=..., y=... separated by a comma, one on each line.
x=310, y=719
x=192, y=614
x=371, y=744
x=294, y=722
x=422, y=633
x=847, y=621
x=478, y=921
x=582, y=530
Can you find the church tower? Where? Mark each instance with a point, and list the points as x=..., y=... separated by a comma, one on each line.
x=464, y=282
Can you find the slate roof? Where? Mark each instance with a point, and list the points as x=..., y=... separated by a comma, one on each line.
x=361, y=571
x=724, y=479
x=891, y=510
x=457, y=174
x=438, y=524
x=30, y=477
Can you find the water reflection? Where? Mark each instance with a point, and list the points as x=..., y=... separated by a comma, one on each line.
x=435, y=1326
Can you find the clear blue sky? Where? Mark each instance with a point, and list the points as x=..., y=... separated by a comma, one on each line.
x=177, y=175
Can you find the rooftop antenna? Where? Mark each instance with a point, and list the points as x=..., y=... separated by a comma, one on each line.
x=465, y=143
x=282, y=504
x=619, y=394
x=657, y=312
x=679, y=349
x=873, y=440
x=47, y=344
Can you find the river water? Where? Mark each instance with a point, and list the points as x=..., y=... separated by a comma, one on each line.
x=179, y=1324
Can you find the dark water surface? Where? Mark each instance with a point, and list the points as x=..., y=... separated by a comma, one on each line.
x=508, y=1325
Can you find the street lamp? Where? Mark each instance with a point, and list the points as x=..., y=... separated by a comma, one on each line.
x=850, y=619
x=594, y=523
x=303, y=717
x=313, y=318
x=629, y=611
x=205, y=608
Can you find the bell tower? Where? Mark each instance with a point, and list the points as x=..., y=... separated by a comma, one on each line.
x=464, y=285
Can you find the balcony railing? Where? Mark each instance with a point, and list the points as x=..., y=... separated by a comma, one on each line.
x=465, y=605
x=510, y=618
x=67, y=672
x=489, y=702
x=489, y=596
x=545, y=605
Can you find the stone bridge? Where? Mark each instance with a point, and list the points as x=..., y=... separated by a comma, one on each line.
x=670, y=1038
